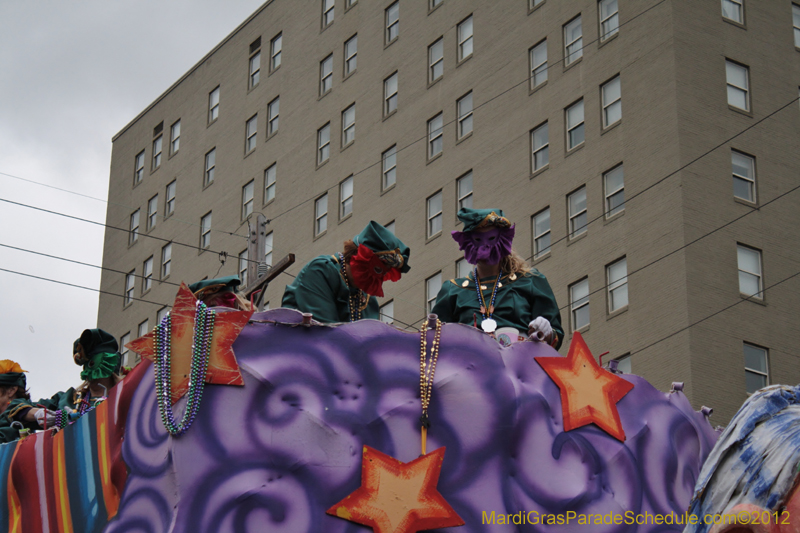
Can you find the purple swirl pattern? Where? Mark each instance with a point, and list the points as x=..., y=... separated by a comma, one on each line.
x=275, y=454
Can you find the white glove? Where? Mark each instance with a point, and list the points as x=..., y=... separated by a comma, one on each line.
x=540, y=329
x=43, y=416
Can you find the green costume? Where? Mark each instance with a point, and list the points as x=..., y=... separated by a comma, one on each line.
x=100, y=350
x=19, y=408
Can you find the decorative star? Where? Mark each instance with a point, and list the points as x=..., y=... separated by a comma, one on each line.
x=397, y=497
x=222, y=366
x=588, y=392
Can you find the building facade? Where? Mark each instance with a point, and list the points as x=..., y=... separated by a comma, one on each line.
x=646, y=152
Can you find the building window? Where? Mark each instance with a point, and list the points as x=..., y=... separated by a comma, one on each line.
x=432, y=287
x=161, y=314
x=327, y=13
x=157, y=152
x=205, y=230
x=133, y=236
x=573, y=41
x=275, y=49
x=609, y=18
x=624, y=364
x=321, y=215
x=617, y=282
x=464, y=106
x=255, y=68
x=213, y=105
x=436, y=60
x=463, y=268
x=575, y=125
x=733, y=10
x=796, y=24
x=169, y=208
x=756, y=369
x=579, y=304
x=248, y=191
x=251, y=134
x=390, y=95
x=211, y=164
x=243, y=262
x=346, y=197
x=738, y=86
x=268, y=248
x=350, y=55
x=538, y=64
x=130, y=282
x=166, y=260
x=147, y=274
x=270, y=178
x=326, y=75
x=465, y=39
x=123, y=351
x=143, y=328
x=323, y=143
x=435, y=214
x=744, y=176
x=464, y=188
x=175, y=138
x=614, y=187
x=541, y=233
x=540, y=147
x=750, y=280
x=349, y=125
x=578, y=218
x=611, y=93
x=389, y=158
x=534, y=3
x=349, y=3
x=152, y=212
x=434, y=4
x=387, y=312
x=435, y=126
x=138, y=173
x=392, y=22
x=273, y=114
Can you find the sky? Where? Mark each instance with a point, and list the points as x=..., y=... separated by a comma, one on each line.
x=72, y=75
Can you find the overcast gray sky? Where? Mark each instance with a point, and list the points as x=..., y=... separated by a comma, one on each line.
x=72, y=74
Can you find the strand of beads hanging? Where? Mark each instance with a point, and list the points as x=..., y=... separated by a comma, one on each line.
x=427, y=368
x=201, y=348
x=488, y=324
x=356, y=302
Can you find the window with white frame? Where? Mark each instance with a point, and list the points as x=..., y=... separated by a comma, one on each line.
x=575, y=134
x=541, y=233
x=578, y=217
x=125, y=339
x=327, y=13
x=349, y=125
x=255, y=68
x=611, y=93
x=138, y=173
x=205, y=230
x=143, y=328
x=346, y=197
x=744, y=176
x=323, y=143
x=435, y=140
x=349, y=3
x=624, y=364
x=169, y=208
x=268, y=248
x=350, y=55
x=213, y=105
x=326, y=75
x=796, y=24
x=465, y=39
x=157, y=147
x=175, y=137
x=161, y=314
x=733, y=10
x=392, y=22
x=750, y=278
x=464, y=109
x=617, y=283
x=579, y=304
x=436, y=60
x=130, y=284
x=432, y=287
x=387, y=312
x=389, y=167
x=248, y=191
x=147, y=274
x=534, y=3
x=573, y=41
x=275, y=49
x=756, y=367
x=243, y=264
x=614, y=190
x=540, y=148
x=738, y=85
x=152, y=212
x=133, y=236
x=463, y=268
x=166, y=260
x=251, y=134
x=273, y=115
x=434, y=4
x=321, y=214
x=390, y=95
x=434, y=214
x=464, y=189
x=538, y=64
x=270, y=182
x=608, y=10
x=211, y=165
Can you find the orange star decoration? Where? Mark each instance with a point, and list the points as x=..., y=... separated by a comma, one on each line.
x=222, y=366
x=588, y=392
x=397, y=497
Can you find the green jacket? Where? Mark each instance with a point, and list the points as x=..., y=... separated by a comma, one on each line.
x=18, y=407
x=517, y=302
x=321, y=290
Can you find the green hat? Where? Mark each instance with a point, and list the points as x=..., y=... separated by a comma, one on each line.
x=226, y=284
x=482, y=218
x=96, y=341
x=11, y=374
x=385, y=244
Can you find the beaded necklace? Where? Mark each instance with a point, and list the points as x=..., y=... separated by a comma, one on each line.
x=488, y=324
x=356, y=302
x=427, y=369
x=201, y=348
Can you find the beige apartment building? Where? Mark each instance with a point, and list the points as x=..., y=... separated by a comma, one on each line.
x=648, y=152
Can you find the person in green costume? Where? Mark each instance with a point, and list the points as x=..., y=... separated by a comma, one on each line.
x=220, y=292
x=97, y=352
x=343, y=287
x=16, y=409
x=507, y=292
